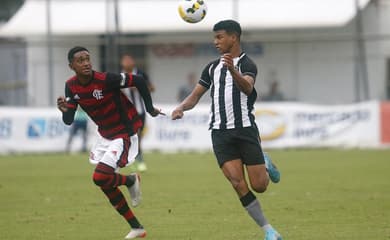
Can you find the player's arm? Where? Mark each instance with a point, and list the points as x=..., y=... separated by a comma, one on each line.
x=189, y=102
x=139, y=82
x=246, y=81
x=125, y=80
x=67, y=106
x=149, y=83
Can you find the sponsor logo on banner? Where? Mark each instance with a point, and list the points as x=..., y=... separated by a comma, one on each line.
x=36, y=128
x=41, y=127
x=327, y=124
x=272, y=125
x=166, y=130
x=5, y=128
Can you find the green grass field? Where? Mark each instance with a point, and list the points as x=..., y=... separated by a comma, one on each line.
x=324, y=194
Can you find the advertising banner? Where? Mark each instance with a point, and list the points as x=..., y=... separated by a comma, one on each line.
x=32, y=130
x=281, y=125
x=302, y=125
x=385, y=123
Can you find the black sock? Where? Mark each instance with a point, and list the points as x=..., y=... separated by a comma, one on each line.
x=130, y=180
x=247, y=199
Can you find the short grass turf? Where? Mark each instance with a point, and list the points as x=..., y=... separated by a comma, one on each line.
x=323, y=194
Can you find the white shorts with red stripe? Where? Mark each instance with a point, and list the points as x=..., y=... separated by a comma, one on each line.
x=117, y=153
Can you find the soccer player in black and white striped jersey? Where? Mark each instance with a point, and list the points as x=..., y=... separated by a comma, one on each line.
x=235, y=136
x=128, y=65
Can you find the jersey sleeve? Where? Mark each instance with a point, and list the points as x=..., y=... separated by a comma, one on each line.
x=249, y=68
x=122, y=80
x=205, y=79
x=69, y=96
x=146, y=77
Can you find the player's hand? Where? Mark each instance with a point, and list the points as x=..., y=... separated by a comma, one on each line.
x=61, y=104
x=227, y=60
x=177, y=114
x=156, y=112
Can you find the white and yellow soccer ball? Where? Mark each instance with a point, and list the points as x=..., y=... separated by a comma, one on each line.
x=192, y=11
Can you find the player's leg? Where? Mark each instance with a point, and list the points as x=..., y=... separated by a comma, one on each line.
x=234, y=173
x=72, y=133
x=120, y=153
x=84, y=130
x=258, y=177
x=141, y=165
x=273, y=172
x=108, y=180
x=226, y=145
x=253, y=158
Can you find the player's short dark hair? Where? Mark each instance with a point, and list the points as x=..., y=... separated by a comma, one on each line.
x=75, y=50
x=230, y=26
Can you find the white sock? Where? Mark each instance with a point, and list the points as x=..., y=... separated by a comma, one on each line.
x=266, y=227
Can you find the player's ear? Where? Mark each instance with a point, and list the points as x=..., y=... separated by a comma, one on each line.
x=235, y=37
x=70, y=66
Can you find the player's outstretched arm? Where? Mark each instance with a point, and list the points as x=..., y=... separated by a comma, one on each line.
x=140, y=84
x=189, y=102
x=67, y=113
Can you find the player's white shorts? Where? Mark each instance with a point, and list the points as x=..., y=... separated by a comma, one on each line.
x=116, y=153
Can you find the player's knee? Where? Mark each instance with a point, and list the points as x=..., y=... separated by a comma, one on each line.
x=100, y=179
x=238, y=184
x=259, y=188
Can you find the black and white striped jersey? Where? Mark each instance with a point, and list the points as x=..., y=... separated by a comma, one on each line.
x=230, y=108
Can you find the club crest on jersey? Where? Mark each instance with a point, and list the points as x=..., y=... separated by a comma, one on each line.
x=76, y=97
x=98, y=94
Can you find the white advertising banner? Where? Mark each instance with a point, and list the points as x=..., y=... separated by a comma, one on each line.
x=281, y=125
x=302, y=125
x=189, y=133
x=32, y=130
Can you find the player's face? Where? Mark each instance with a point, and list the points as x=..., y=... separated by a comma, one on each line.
x=81, y=63
x=223, y=41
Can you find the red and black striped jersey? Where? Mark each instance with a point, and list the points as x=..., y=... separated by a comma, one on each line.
x=105, y=104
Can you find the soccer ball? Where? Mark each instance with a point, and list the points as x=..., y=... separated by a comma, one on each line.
x=192, y=11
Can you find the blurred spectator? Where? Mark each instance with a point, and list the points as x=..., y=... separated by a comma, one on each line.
x=80, y=123
x=274, y=95
x=128, y=65
x=185, y=90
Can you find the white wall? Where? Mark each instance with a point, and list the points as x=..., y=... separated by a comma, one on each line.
x=312, y=65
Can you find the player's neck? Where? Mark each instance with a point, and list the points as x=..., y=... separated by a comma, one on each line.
x=84, y=79
x=235, y=51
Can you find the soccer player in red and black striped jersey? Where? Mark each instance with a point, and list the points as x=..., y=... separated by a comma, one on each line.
x=100, y=96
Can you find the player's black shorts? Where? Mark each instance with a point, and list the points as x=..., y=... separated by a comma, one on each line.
x=238, y=143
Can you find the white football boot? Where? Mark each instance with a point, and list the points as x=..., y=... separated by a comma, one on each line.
x=136, y=233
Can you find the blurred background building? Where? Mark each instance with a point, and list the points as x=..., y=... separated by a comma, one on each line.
x=328, y=52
